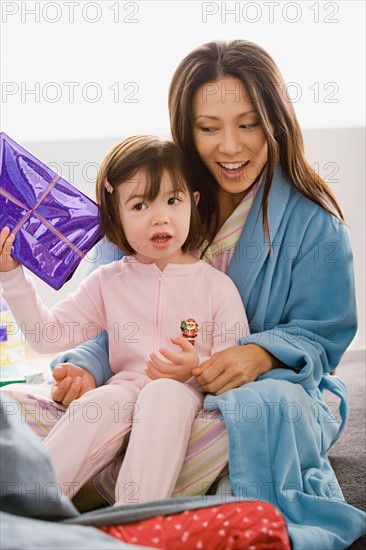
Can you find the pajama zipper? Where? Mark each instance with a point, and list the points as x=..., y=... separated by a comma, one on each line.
x=158, y=312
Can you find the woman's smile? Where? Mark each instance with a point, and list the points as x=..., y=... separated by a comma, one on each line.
x=233, y=170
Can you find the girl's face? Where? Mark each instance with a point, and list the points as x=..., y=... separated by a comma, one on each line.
x=227, y=135
x=156, y=229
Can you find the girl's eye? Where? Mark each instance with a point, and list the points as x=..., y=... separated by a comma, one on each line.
x=173, y=201
x=139, y=206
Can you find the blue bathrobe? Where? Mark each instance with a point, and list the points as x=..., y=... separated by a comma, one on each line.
x=300, y=301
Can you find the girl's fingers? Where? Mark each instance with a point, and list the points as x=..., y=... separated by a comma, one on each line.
x=6, y=243
x=150, y=371
x=165, y=368
x=4, y=234
x=154, y=373
x=172, y=356
x=184, y=344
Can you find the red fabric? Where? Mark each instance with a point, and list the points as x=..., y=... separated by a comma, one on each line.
x=241, y=525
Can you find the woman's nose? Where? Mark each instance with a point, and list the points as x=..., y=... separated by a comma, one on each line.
x=230, y=143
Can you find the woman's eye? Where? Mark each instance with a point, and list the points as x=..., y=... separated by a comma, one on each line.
x=249, y=126
x=139, y=206
x=207, y=130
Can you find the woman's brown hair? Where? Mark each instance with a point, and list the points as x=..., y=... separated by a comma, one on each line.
x=265, y=87
x=152, y=156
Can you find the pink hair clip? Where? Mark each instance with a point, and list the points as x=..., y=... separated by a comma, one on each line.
x=108, y=186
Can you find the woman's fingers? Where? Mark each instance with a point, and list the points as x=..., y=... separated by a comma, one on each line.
x=226, y=370
x=74, y=392
x=88, y=380
x=60, y=389
x=222, y=383
x=209, y=370
x=71, y=382
x=59, y=372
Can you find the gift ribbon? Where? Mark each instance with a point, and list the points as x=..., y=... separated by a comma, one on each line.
x=41, y=218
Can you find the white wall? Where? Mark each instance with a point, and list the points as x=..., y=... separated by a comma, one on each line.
x=67, y=77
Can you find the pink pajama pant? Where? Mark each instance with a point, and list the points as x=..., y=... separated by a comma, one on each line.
x=157, y=414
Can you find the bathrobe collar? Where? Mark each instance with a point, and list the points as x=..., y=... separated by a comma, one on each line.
x=253, y=245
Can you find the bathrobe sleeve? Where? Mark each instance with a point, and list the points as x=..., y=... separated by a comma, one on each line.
x=318, y=318
x=300, y=296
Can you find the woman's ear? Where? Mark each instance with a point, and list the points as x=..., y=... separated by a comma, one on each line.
x=196, y=196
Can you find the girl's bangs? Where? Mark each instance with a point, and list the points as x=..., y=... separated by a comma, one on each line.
x=154, y=173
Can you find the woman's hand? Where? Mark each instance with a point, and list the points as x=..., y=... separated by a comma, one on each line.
x=181, y=363
x=71, y=382
x=233, y=367
x=7, y=263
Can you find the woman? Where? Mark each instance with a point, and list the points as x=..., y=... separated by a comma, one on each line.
x=228, y=107
x=275, y=227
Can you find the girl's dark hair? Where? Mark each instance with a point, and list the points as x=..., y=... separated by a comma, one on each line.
x=152, y=156
x=265, y=87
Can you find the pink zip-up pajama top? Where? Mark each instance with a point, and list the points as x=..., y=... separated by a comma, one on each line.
x=141, y=307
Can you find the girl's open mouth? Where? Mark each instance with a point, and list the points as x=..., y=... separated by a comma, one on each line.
x=161, y=239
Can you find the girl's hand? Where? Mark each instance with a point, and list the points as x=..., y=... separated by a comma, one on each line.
x=233, y=367
x=180, y=366
x=71, y=382
x=7, y=263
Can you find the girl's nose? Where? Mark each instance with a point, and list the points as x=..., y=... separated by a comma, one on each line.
x=230, y=144
x=160, y=218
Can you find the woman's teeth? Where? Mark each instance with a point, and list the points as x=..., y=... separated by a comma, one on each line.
x=233, y=165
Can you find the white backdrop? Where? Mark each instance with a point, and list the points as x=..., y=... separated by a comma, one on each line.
x=81, y=69
x=79, y=75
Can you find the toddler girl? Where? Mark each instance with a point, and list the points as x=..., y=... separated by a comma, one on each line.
x=148, y=209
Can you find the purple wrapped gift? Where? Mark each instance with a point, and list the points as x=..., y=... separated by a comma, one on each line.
x=55, y=224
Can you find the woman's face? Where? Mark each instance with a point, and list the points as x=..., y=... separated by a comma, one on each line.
x=227, y=134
